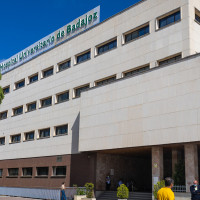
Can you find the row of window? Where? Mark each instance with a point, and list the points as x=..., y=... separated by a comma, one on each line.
x=102, y=48
x=39, y=172
x=64, y=96
x=42, y=133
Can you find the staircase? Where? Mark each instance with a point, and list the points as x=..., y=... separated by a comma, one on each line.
x=112, y=195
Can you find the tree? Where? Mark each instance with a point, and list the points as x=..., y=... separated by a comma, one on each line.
x=1, y=92
x=179, y=175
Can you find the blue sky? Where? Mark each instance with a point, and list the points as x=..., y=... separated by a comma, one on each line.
x=24, y=22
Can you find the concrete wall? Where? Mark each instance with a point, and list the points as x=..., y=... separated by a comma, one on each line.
x=159, y=107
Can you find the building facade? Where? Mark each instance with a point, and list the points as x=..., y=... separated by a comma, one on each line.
x=119, y=99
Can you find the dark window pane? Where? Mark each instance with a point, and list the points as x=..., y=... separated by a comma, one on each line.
x=137, y=71
x=16, y=138
x=169, y=19
x=3, y=115
x=30, y=135
x=2, y=141
x=107, y=47
x=33, y=78
x=20, y=84
x=197, y=17
x=64, y=65
x=27, y=171
x=6, y=90
x=83, y=57
x=63, y=97
x=138, y=33
x=42, y=171
x=18, y=111
x=81, y=89
x=62, y=130
x=47, y=73
x=106, y=81
x=59, y=171
x=45, y=133
x=1, y=172
x=31, y=107
x=170, y=60
x=46, y=102
x=13, y=171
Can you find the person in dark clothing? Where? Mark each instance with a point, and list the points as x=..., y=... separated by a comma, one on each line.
x=108, y=182
x=195, y=191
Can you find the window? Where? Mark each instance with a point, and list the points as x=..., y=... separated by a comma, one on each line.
x=18, y=111
x=83, y=57
x=59, y=171
x=33, y=78
x=169, y=19
x=1, y=172
x=29, y=136
x=64, y=65
x=48, y=72
x=2, y=140
x=13, y=171
x=3, y=115
x=19, y=84
x=6, y=90
x=46, y=102
x=16, y=138
x=28, y=171
x=169, y=60
x=63, y=97
x=105, y=81
x=137, y=33
x=42, y=171
x=136, y=71
x=62, y=130
x=31, y=106
x=106, y=47
x=197, y=15
x=80, y=89
x=44, y=133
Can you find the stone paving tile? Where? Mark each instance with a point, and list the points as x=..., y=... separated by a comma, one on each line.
x=14, y=198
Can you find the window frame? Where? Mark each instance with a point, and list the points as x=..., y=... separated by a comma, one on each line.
x=13, y=110
x=15, y=85
x=13, y=175
x=197, y=13
x=134, y=30
x=45, y=106
x=168, y=58
x=43, y=137
x=1, y=114
x=4, y=140
x=167, y=15
x=74, y=90
x=15, y=142
x=28, y=104
x=104, y=79
x=54, y=171
x=45, y=70
x=63, y=62
x=4, y=88
x=25, y=136
x=42, y=175
x=55, y=130
x=29, y=78
x=81, y=54
x=22, y=175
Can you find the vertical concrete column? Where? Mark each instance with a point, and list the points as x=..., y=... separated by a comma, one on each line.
x=174, y=160
x=191, y=164
x=157, y=164
x=119, y=40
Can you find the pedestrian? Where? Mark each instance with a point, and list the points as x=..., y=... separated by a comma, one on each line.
x=166, y=192
x=195, y=190
x=63, y=196
x=108, y=182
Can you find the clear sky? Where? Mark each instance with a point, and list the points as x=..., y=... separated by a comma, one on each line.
x=23, y=22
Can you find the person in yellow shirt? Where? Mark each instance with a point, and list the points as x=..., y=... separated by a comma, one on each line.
x=166, y=192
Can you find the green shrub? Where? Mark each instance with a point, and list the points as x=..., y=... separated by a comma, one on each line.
x=122, y=192
x=179, y=175
x=157, y=187
x=89, y=190
x=80, y=191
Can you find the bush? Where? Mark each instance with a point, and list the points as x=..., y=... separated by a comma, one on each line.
x=80, y=191
x=157, y=187
x=89, y=190
x=122, y=192
x=179, y=175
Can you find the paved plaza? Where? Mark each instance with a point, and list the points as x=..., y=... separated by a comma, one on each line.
x=14, y=198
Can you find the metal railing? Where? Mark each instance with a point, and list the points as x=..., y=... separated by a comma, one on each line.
x=179, y=188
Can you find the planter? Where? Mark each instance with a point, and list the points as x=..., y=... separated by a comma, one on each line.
x=79, y=197
x=88, y=199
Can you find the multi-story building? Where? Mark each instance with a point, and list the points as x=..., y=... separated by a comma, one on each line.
x=121, y=98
